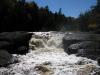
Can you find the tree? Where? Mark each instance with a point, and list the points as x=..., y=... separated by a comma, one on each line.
x=90, y=20
x=20, y=15
x=60, y=11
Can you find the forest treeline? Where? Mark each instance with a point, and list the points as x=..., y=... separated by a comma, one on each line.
x=90, y=20
x=19, y=15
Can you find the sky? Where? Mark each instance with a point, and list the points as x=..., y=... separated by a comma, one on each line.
x=69, y=7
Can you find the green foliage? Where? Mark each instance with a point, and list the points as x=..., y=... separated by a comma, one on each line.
x=90, y=20
x=20, y=15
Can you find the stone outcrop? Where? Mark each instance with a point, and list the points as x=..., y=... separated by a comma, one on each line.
x=74, y=48
x=82, y=44
x=15, y=42
x=5, y=58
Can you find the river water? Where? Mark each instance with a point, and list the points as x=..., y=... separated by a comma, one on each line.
x=47, y=57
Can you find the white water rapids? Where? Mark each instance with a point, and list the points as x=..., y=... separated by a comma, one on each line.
x=47, y=57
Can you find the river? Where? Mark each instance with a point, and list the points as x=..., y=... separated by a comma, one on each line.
x=47, y=57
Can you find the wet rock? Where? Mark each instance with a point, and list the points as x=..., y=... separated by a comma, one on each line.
x=36, y=43
x=5, y=58
x=97, y=73
x=89, y=47
x=47, y=63
x=67, y=43
x=5, y=45
x=89, y=53
x=41, y=68
x=86, y=70
x=73, y=49
x=98, y=60
x=70, y=39
x=15, y=42
x=82, y=44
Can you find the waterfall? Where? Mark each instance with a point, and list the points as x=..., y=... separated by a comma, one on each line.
x=47, y=57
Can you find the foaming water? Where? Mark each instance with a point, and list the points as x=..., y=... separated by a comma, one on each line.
x=47, y=57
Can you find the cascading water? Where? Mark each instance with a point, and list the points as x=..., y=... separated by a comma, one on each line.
x=47, y=57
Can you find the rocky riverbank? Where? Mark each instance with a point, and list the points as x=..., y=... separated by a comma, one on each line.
x=48, y=56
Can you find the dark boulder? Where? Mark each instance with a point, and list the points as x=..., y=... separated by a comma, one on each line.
x=74, y=38
x=98, y=60
x=83, y=44
x=74, y=48
x=4, y=44
x=89, y=53
x=15, y=42
x=79, y=37
x=5, y=58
